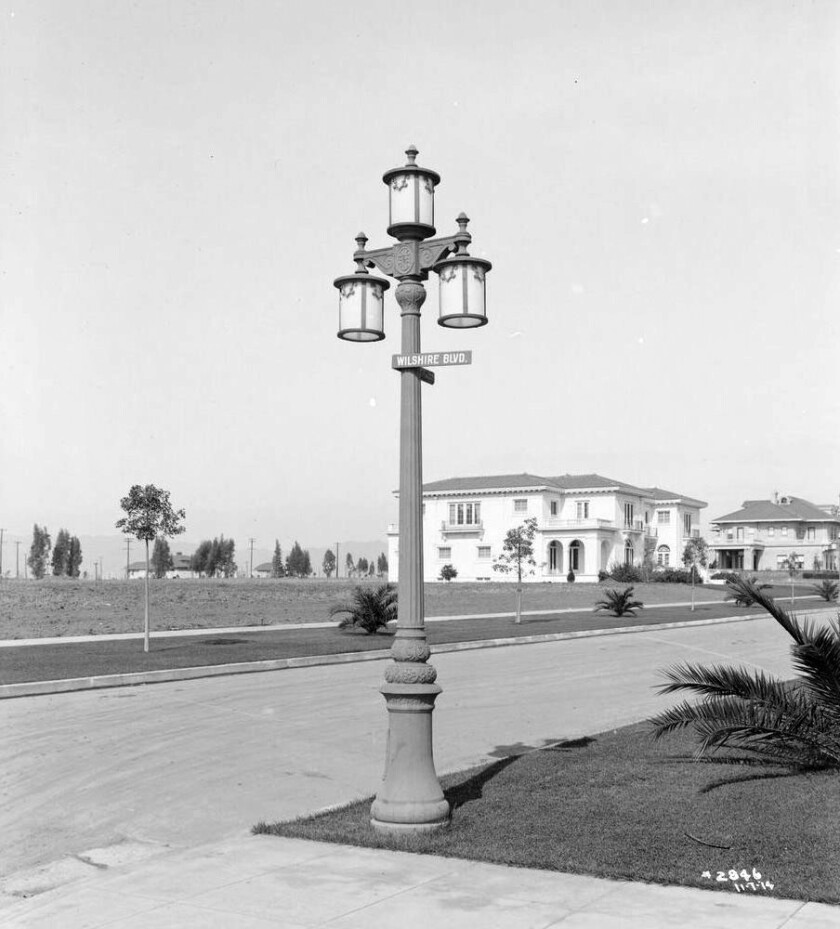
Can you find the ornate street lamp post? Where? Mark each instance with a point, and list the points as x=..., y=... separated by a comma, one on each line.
x=410, y=798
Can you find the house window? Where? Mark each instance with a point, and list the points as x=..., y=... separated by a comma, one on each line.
x=663, y=517
x=739, y=532
x=812, y=532
x=576, y=556
x=771, y=531
x=520, y=506
x=784, y=530
x=582, y=509
x=484, y=552
x=464, y=514
x=628, y=552
x=663, y=556
x=686, y=524
x=553, y=507
x=628, y=516
x=444, y=553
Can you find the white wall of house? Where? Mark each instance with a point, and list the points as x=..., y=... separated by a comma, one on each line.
x=587, y=530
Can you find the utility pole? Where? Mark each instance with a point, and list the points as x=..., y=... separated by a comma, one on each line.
x=127, y=550
x=251, y=572
x=17, y=560
x=1, y=553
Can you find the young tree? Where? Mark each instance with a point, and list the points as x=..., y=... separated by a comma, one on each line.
x=371, y=569
x=277, y=568
x=518, y=555
x=328, y=564
x=382, y=565
x=149, y=514
x=161, y=558
x=74, y=560
x=61, y=553
x=447, y=572
x=362, y=566
x=39, y=551
x=306, y=564
x=793, y=570
x=696, y=553
x=350, y=565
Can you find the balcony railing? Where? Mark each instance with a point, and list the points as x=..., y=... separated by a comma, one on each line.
x=554, y=523
x=450, y=528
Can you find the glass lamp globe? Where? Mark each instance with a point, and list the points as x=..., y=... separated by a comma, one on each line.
x=462, y=291
x=361, y=306
x=411, y=199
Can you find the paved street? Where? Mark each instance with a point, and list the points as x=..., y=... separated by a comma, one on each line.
x=183, y=764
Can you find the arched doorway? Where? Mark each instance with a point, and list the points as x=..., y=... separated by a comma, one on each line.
x=629, y=554
x=555, y=558
x=577, y=561
x=605, y=555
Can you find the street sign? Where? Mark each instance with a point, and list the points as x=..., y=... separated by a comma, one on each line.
x=431, y=359
x=428, y=377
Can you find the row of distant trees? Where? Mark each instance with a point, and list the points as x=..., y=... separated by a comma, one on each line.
x=298, y=564
x=66, y=557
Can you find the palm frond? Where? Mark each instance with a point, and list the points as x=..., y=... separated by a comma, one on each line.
x=792, y=735
x=369, y=608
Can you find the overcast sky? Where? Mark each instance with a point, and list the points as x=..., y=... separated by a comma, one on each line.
x=656, y=184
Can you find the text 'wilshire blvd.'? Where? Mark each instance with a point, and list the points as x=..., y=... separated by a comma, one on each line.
x=431, y=359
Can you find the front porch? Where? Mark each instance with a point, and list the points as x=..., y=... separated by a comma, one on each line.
x=745, y=556
x=585, y=554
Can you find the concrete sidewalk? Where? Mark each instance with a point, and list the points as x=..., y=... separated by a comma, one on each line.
x=262, y=881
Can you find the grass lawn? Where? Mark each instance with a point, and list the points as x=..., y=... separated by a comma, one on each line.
x=621, y=806
x=52, y=662
x=60, y=606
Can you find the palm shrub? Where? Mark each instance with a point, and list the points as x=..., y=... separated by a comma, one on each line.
x=743, y=595
x=369, y=608
x=793, y=723
x=619, y=602
x=827, y=590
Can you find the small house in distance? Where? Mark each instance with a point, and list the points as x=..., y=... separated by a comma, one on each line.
x=263, y=570
x=585, y=524
x=180, y=568
x=765, y=534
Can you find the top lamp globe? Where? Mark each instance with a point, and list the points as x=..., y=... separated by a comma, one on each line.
x=411, y=200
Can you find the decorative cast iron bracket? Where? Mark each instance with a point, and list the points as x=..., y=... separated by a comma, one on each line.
x=412, y=258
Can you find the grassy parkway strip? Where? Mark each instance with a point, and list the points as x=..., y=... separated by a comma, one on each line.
x=214, y=648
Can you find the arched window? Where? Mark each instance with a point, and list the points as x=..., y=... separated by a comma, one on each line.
x=663, y=556
x=576, y=557
x=629, y=554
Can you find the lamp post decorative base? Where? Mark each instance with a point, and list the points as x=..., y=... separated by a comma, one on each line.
x=410, y=799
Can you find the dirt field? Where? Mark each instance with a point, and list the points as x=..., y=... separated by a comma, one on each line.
x=57, y=607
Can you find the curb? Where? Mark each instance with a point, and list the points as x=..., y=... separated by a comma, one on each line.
x=42, y=688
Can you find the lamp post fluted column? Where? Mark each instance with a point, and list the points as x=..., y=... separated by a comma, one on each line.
x=410, y=798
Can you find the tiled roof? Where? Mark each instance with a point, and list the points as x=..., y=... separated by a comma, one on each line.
x=525, y=481
x=768, y=511
x=492, y=482
x=659, y=494
x=591, y=482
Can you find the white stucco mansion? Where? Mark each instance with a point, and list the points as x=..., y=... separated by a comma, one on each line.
x=585, y=523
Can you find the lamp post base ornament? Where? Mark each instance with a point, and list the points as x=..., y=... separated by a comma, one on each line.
x=410, y=799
